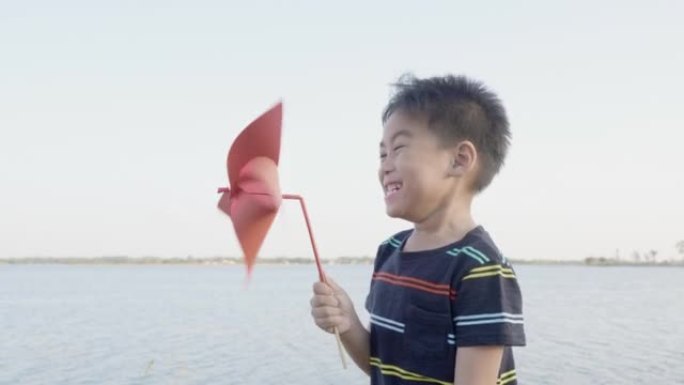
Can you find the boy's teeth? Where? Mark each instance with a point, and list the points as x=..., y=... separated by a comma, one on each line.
x=393, y=187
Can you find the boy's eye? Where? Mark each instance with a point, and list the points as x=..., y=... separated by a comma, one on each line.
x=383, y=155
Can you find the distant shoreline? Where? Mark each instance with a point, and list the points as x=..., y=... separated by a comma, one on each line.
x=122, y=260
x=116, y=260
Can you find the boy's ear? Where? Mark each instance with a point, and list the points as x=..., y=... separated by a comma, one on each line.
x=463, y=158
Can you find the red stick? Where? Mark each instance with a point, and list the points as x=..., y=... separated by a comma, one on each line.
x=321, y=274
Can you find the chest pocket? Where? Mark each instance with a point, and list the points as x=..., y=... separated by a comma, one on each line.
x=426, y=334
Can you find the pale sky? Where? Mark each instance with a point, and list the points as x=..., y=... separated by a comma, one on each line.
x=115, y=120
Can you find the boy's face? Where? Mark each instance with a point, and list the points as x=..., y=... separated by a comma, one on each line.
x=414, y=169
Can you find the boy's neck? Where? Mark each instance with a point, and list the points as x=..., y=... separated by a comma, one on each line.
x=443, y=227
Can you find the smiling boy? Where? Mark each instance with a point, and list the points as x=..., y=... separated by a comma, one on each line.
x=445, y=305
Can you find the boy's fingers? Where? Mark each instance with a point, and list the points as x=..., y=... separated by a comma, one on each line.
x=324, y=300
x=329, y=322
x=325, y=312
x=331, y=282
x=322, y=288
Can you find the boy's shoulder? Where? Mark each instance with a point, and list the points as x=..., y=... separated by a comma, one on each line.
x=477, y=245
x=389, y=245
x=395, y=240
x=476, y=250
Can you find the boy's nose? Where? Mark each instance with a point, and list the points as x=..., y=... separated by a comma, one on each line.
x=386, y=166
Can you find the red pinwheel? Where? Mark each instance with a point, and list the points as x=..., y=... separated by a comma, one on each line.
x=254, y=196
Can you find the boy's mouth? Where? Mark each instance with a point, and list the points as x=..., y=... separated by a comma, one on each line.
x=391, y=188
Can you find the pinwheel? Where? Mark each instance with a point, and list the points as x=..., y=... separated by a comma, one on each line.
x=254, y=198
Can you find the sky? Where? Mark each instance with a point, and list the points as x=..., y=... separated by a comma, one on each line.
x=116, y=119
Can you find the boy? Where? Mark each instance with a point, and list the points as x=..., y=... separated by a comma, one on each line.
x=444, y=304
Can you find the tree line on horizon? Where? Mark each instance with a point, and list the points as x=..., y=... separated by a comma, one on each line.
x=637, y=257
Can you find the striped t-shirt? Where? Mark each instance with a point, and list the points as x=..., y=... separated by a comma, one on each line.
x=423, y=305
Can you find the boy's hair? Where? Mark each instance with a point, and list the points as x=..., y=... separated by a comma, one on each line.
x=457, y=108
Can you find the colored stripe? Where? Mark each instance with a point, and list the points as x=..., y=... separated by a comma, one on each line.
x=488, y=318
x=417, y=287
x=475, y=257
x=392, y=241
x=491, y=321
x=389, y=321
x=414, y=280
x=474, y=251
x=490, y=274
x=386, y=326
x=489, y=268
x=489, y=271
x=415, y=284
x=395, y=371
x=487, y=315
x=470, y=252
x=507, y=377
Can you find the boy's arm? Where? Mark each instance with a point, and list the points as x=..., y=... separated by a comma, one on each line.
x=477, y=365
x=331, y=307
x=487, y=317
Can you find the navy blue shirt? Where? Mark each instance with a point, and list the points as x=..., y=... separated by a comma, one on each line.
x=423, y=305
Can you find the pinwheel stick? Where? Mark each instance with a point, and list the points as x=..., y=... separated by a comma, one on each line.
x=321, y=275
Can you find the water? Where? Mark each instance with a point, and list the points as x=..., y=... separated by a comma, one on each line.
x=201, y=325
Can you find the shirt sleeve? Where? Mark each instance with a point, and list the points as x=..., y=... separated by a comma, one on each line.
x=488, y=306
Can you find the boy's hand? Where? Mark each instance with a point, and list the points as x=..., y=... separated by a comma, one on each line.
x=331, y=307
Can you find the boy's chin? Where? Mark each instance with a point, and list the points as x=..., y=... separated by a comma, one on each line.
x=394, y=212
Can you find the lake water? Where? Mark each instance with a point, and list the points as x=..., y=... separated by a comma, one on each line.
x=200, y=325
